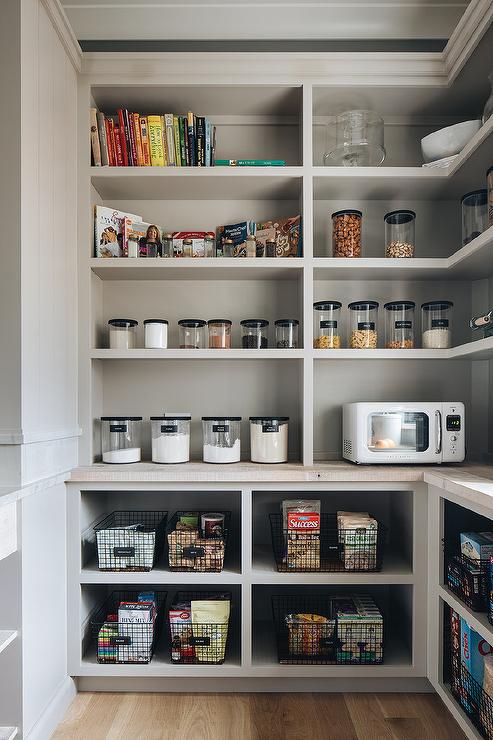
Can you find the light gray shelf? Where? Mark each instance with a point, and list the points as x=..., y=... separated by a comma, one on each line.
x=158, y=576
x=477, y=620
x=197, y=354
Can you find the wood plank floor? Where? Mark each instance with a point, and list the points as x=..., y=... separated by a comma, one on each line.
x=105, y=716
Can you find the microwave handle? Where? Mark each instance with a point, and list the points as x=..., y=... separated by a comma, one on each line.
x=438, y=426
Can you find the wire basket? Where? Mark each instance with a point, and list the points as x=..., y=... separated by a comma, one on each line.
x=130, y=540
x=477, y=704
x=122, y=641
x=329, y=640
x=196, y=644
x=329, y=550
x=469, y=580
x=189, y=551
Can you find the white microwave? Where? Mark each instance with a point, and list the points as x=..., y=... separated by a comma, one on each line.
x=403, y=432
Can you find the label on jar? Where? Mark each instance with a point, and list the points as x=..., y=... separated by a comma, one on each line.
x=331, y=324
x=220, y=427
x=118, y=428
x=268, y=428
x=439, y=323
x=169, y=428
x=402, y=324
x=366, y=325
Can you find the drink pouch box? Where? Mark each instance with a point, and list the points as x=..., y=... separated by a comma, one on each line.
x=238, y=233
x=109, y=231
x=476, y=545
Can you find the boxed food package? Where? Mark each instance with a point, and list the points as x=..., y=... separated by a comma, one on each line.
x=473, y=649
x=180, y=619
x=310, y=634
x=136, y=631
x=359, y=629
x=358, y=540
x=210, y=619
x=107, y=643
x=108, y=231
x=476, y=545
x=287, y=233
x=198, y=242
x=301, y=524
x=455, y=651
x=238, y=233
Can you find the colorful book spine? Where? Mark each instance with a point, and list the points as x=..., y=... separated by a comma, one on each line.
x=186, y=136
x=170, y=139
x=250, y=163
x=176, y=136
x=165, y=143
x=133, y=140
x=191, y=137
x=138, y=140
x=123, y=138
x=110, y=141
x=156, y=141
x=183, y=152
x=213, y=149
x=200, y=141
x=118, y=147
x=103, y=142
x=128, y=140
x=144, y=134
x=208, y=147
x=95, y=145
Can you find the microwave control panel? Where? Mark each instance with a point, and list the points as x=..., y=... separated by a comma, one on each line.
x=453, y=443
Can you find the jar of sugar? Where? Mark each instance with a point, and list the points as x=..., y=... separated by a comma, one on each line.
x=436, y=324
x=120, y=439
x=269, y=439
x=156, y=333
x=170, y=439
x=122, y=333
x=221, y=439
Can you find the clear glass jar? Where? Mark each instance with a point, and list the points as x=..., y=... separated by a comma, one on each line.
x=228, y=248
x=358, y=139
x=287, y=333
x=167, y=246
x=326, y=325
x=269, y=439
x=346, y=233
x=209, y=246
x=187, y=248
x=155, y=334
x=399, y=234
x=221, y=439
x=170, y=439
x=489, y=178
x=254, y=333
x=120, y=439
x=192, y=333
x=474, y=214
x=122, y=333
x=270, y=248
x=251, y=246
x=436, y=324
x=219, y=333
x=399, y=324
x=363, y=324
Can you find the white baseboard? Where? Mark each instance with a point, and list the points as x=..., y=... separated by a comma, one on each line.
x=54, y=712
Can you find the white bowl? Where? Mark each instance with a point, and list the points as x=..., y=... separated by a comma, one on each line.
x=448, y=141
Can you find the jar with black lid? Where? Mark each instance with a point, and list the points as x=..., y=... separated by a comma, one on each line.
x=192, y=333
x=286, y=333
x=120, y=439
x=399, y=324
x=254, y=333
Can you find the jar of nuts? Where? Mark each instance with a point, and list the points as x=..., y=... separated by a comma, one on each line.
x=346, y=233
x=363, y=322
x=399, y=233
x=326, y=325
x=399, y=325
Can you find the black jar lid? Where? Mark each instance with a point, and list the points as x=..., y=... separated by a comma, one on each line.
x=362, y=305
x=123, y=323
x=170, y=418
x=219, y=321
x=326, y=305
x=264, y=419
x=192, y=323
x=481, y=196
x=399, y=217
x=399, y=305
x=436, y=305
x=254, y=323
x=348, y=212
x=121, y=418
x=221, y=418
x=156, y=321
x=286, y=322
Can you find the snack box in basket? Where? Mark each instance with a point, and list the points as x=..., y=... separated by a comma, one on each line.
x=359, y=629
x=476, y=545
x=471, y=587
x=473, y=649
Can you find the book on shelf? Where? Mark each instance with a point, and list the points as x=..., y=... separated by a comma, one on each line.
x=95, y=145
x=250, y=163
x=156, y=141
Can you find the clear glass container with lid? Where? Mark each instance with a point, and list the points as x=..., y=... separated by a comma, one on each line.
x=346, y=233
x=251, y=246
x=286, y=333
x=167, y=246
x=327, y=325
x=187, y=248
x=192, y=333
x=209, y=246
x=363, y=324
x=155, y=333
x=474, y=214
x=400, y=234
x=269, y=439
x=228, y=248
x=358, y=139
x=254, y=333
x=270, y=248
x=120, y=439
x=170, y=438
x=219, y=333
x=399, y=324
x=122, y=333
x=436, y=324
x=221, y=435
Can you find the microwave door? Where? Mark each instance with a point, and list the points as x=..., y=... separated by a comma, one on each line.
x=404, y=435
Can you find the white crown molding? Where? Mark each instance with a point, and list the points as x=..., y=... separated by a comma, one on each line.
x=466, y=36
x=62, y=26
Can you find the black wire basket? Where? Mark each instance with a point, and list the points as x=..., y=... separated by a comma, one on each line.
x=130, y=540
x=126, y=641
x=470, y=695
x=190, y=551
x=328, y=550
x=197, y=644
x=326, y=640
x=468, y=579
